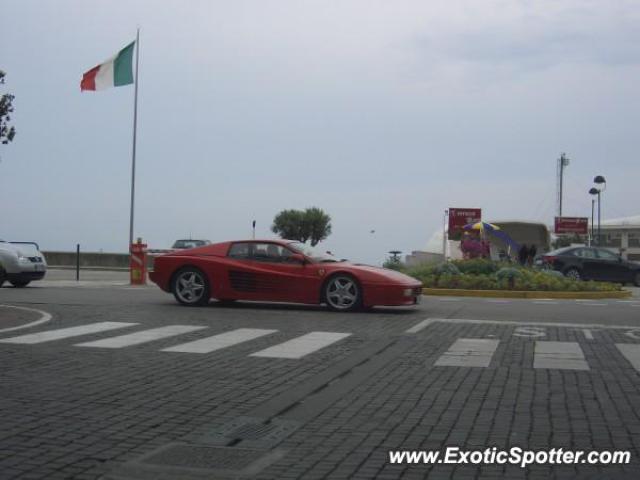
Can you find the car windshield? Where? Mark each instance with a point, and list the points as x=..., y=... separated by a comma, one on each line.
x=189, y=243
x=312, y=253
x=27, y=249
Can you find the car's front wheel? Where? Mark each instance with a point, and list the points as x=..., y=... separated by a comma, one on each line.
x=636, y=279
x=573, y=273
x=20, y=283
x=190, y=287
x=342, y=293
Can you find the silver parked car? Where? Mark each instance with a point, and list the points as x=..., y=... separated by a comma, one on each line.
x=21, y=262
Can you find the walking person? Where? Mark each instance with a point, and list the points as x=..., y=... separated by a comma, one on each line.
x=522, y=254
x=532, y=254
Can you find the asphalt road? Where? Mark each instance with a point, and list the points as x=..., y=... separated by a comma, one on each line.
x=121, y=382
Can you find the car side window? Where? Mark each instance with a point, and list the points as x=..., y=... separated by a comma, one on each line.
x=606, y=255
x=239, y=250
x=585, y=253
x=270, y=252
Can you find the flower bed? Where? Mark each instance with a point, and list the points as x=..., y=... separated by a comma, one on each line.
x=489, y=275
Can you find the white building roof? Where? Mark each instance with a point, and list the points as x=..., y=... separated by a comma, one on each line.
x=633, y=222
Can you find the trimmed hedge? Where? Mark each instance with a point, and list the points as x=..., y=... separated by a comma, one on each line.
x=488, y=275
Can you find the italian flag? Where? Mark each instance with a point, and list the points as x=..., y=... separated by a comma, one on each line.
x=115, y=72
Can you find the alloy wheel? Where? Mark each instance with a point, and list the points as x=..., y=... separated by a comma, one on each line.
x=190, y=287
x=573, y=274
x=342, y=293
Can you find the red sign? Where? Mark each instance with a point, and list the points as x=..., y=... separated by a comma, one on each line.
x=459, y=217
x=579, y=225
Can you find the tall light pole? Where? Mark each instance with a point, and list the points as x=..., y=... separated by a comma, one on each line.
x=594, y=191
x=599, y=180
x=563, y=162
x=444, y=235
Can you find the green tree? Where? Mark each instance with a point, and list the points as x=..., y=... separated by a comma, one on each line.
x=312, y=225
x=316, y=224
x=7, y=132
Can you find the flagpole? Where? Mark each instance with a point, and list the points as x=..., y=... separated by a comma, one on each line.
x=133, y=152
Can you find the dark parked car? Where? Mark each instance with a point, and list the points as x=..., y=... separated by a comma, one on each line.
x=592, y=263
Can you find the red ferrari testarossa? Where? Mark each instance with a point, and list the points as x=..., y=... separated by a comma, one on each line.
x=278, y=271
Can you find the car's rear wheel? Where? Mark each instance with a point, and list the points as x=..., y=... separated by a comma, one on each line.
x=20, y=283
x=636, y=279
x=573, y=273
x=342, y=293
x=190, y=287
x=3, y=276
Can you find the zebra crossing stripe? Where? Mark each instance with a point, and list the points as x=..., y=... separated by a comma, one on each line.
x=559, y=355
x=301, y=346
x=144, y=336
x=50, y=335
x=469, y=352
x=631, y=352
x=217, y=342
x=419, y=326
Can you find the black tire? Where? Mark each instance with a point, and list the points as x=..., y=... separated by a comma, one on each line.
x=342, y=293
x=636, y=279
x=3, y=276
x=190, y=287
x=20, y=283
x=573, y=273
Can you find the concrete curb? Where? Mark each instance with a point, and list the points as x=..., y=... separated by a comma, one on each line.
x=452, y=292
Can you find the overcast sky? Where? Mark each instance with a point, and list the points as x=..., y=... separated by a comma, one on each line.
x=382, y=113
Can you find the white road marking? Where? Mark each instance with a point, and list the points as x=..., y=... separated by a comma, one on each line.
x=44, y=318
x=301, y=346
x=529, y=332
x=631, y=352
x=222, y=340
x=539, y=324
x=419, y=326
x=588, y=334
x=594, y=304
x=633, y=334
x=559, y=355
x=468, y=352
x=492, y=300
x=545, y=302
x=61, y=333
x=144, y=336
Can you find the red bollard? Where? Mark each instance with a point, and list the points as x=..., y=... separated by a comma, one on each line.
x=138, y=263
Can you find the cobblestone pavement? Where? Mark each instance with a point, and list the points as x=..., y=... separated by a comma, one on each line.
x=122, y=383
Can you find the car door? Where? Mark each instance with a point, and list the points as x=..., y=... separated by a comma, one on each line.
x=612, y=267
x=590, y=265
x=277, y=276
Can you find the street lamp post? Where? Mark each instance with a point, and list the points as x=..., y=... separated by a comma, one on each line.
x=594, y=191
x=599, y=180
x=593, y=207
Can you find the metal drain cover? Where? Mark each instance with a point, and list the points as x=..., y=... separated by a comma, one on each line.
x=252, y=432
x=196, y=462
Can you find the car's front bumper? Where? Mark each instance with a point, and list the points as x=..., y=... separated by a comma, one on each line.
x=391, y=295
x=25, y=276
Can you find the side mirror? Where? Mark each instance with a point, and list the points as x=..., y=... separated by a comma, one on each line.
x=298, y=258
